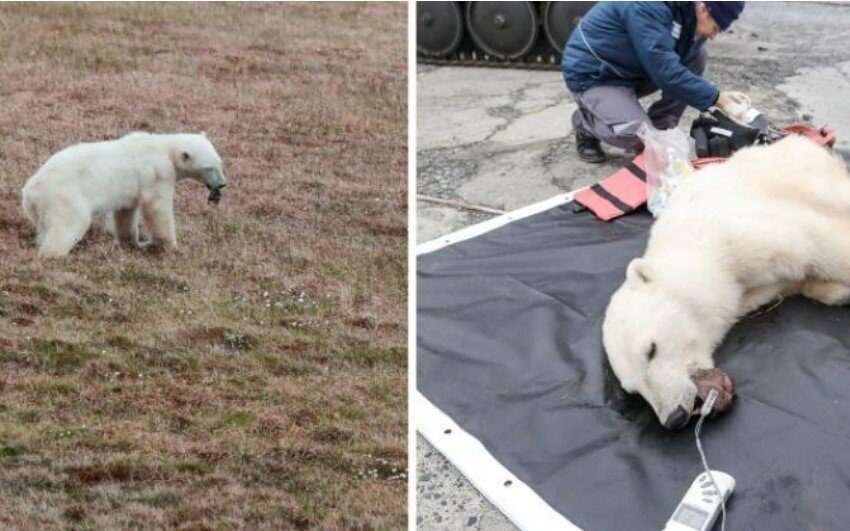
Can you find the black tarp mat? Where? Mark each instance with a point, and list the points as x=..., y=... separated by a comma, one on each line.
x=510, y=347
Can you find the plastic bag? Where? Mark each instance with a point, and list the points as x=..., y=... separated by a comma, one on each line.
x=667, y=155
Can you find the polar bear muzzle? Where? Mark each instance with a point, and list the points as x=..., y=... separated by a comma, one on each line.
x=215, y=194
x=215, y=180
x=705, y=380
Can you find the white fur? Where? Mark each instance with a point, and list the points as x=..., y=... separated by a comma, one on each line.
x=772, y=220
x=129, y=178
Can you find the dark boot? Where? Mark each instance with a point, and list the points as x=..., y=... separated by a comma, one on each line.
x=589, y=148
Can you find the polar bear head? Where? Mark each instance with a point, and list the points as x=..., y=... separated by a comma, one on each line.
x=195, y=158
x=660, y=347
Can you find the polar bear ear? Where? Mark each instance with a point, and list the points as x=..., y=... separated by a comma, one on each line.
x=639, y=270
x=204, y=134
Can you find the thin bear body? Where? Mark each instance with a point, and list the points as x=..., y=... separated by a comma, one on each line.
x=771, y=221
x=131, y=178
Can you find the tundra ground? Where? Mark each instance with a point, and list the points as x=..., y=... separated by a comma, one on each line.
x=256, y=378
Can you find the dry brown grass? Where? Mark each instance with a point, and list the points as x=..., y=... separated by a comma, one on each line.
x=257, y=378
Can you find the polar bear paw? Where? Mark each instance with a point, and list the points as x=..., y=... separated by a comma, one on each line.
x=827, y=292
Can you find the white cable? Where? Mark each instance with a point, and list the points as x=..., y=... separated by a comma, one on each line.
x=706, y=409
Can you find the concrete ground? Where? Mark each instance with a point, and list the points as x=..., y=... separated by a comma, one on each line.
x=501, y=138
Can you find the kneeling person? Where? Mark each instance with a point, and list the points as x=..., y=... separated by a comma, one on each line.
x=622, y=51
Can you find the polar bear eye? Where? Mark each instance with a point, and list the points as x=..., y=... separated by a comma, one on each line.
x=186, y=155
x=651, y=353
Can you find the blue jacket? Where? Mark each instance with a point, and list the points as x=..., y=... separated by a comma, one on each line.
x=638, y=41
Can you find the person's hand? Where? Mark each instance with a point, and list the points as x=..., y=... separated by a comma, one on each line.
x=734, y=104
x=732, y=97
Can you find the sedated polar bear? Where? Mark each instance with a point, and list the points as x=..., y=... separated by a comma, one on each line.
x=128, y=177
x=769, y=222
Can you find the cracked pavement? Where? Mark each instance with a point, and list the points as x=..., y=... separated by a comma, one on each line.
x=502, y=138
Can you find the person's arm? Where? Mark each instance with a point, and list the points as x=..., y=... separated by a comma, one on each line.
x=649, y=26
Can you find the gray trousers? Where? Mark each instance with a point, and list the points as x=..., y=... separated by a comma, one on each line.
x=613, y=113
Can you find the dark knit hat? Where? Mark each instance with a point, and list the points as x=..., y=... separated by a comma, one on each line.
x=724, y=13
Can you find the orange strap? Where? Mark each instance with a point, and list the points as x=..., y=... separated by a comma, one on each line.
x=617, y=195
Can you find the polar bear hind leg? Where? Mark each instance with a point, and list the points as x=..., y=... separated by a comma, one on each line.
x=61, y=233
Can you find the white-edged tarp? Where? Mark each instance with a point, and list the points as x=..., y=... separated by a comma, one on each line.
x=510, y=360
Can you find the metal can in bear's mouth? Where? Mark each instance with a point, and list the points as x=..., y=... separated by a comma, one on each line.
x=215, y=196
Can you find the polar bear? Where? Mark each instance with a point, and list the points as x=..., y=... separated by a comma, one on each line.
x=128, y=178
x=771, y=221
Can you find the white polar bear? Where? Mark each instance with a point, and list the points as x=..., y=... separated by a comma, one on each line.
x=128, y=177
x=771, y=221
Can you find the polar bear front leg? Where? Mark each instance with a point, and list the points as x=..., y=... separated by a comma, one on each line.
x=159, y=217
x=827, y=292
x=126, y=226
x=757, y=297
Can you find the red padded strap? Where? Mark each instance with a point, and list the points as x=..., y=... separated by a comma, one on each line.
x=619, y=194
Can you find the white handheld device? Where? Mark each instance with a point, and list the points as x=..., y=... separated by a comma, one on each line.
x=701, y=505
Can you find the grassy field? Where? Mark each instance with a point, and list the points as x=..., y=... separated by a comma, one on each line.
x=256, y=378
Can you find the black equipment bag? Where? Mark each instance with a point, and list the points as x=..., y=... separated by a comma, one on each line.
x=717, y=135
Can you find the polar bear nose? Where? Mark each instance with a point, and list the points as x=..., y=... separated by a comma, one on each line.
x=677, y=419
